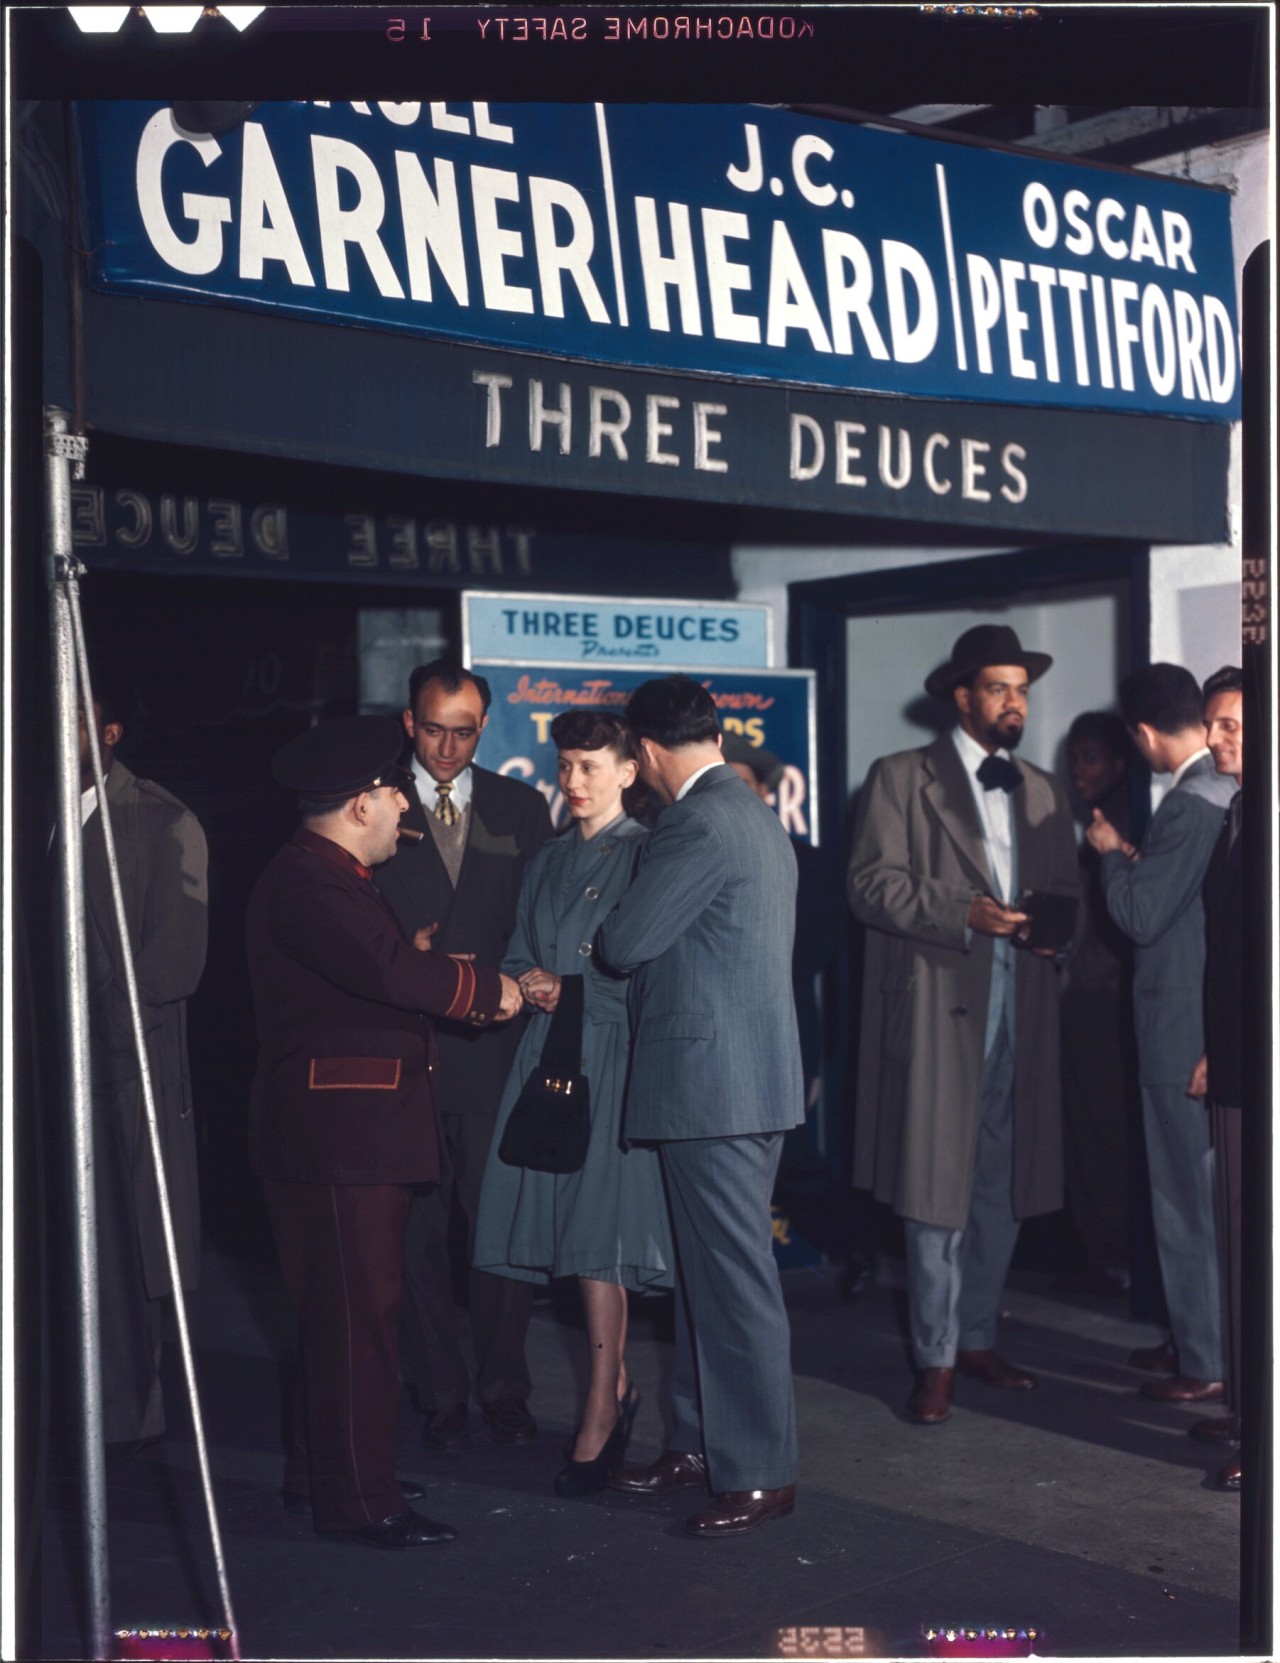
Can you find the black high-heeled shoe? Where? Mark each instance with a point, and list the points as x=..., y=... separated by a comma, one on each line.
x=588, y=1478
x=628, y=1406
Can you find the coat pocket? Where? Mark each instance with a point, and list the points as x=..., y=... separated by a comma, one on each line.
x=354, y=1074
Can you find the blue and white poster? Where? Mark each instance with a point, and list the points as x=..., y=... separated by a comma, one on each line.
x=773, y=710
x=590, y=629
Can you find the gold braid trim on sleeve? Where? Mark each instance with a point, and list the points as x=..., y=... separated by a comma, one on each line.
x=463, y=1005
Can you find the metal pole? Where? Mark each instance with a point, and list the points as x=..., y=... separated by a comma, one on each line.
x=153, y=1125
x=60, y=450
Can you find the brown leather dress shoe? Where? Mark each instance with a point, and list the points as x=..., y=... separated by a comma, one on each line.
x=1184, y=1388
x=990, y=1367
x=675, y=1469
x=1155, y=1359
x=930, y=1403
x=1231, y=1477
x=1216, y=1429
x=735, y=1512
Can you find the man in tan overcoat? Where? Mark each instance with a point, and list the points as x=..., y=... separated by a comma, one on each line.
x=959, y=1100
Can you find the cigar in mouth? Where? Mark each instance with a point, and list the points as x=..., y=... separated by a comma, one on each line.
x=409, y=835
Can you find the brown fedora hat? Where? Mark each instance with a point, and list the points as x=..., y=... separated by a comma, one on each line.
x=982, y=645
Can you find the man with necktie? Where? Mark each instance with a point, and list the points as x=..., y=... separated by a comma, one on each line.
x=959, y=1099
x=478, y=831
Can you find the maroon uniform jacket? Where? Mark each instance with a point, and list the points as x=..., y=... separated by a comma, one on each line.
x=344, y=1090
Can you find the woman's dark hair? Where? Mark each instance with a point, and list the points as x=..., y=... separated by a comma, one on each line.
x=600, y=730
x=594, y=730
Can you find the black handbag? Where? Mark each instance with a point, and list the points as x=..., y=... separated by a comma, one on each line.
x=550, y=1125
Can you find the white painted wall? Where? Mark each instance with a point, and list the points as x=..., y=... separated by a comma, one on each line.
x=1084, y=630
x=763, y=571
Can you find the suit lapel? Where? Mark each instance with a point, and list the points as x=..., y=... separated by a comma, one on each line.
x=950, y=797
x=477, y=823
x=420, y=872
x=416, y=818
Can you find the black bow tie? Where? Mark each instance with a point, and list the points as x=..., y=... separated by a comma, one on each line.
x=998, y=773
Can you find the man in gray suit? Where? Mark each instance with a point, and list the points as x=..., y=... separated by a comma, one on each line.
x=1153, y=894
x=716, y=1081
x=959, y=1125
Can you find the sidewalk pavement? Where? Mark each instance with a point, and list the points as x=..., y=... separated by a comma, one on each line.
x=1080, y=1509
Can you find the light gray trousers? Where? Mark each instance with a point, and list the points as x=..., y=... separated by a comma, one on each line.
x=954, y=1277
x=1180, y=1163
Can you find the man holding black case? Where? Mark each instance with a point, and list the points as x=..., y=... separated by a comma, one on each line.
x=958, y=1121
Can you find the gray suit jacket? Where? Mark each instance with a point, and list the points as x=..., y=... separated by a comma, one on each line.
x=707, y=927
x=1156, y=902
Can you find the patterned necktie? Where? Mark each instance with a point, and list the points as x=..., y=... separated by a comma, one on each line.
x=446, y=811
x=996, y=772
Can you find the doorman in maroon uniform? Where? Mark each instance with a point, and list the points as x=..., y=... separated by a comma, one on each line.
x=343, y=1118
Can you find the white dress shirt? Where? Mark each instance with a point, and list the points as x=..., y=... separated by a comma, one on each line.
x=694, y=778
x=1182, y=767
x=994, y=813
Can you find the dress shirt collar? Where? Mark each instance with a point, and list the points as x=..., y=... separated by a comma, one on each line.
x=460, y=796
x=1182, y=767
x=971, y=753
x=694, y=778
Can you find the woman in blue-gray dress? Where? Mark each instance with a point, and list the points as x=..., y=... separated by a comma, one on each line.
x=607, y=1223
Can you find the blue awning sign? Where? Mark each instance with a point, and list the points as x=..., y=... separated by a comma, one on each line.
x=735, y=241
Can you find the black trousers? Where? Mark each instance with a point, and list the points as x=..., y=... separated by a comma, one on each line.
x=500, y=1306
x=1099, y=1112
x=1227, y=1177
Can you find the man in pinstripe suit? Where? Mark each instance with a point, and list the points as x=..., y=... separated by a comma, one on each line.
x=716, y=1081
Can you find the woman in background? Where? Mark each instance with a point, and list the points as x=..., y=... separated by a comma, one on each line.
x=605, y=1224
